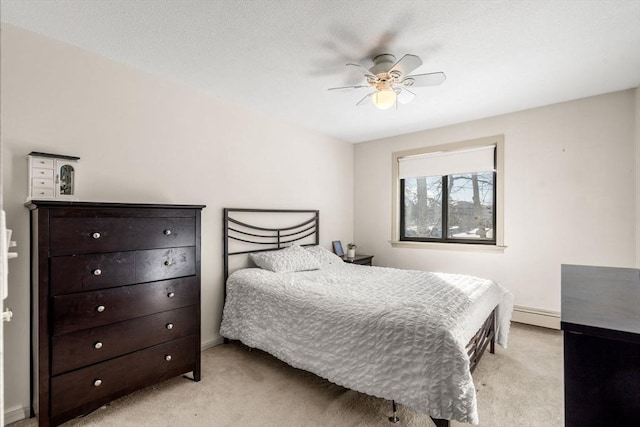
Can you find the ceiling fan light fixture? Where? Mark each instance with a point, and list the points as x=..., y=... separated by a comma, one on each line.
x=384, y=99
x=391, y=79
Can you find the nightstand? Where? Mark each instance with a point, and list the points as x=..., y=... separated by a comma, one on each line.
x=359, y=259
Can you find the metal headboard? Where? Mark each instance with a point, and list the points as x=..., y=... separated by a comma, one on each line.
x=260, y=238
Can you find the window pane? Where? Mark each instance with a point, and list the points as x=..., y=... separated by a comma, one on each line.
x=66, y=180
x=423, y=207
x=471, y=206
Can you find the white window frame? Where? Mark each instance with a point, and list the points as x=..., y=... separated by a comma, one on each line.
x=498, y=141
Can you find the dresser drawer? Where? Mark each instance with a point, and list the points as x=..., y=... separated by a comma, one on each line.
x=88, y=388
x=77, y=273
x=41, y=162
x=86, y=310
x=42, y=192
x=95, y=271
x=159, y=264
x=42, y=183
x=89, y=346
x=90, y=235
x=42, y=173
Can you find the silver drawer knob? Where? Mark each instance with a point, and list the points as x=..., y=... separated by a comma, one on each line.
x=97, y=345
x=167, y=232
x=100, y=308
x=167, y=358
x=97, y=272
x=171, y=294
x=96, y=235
x=97, y=383
x=169, y=325
x=167, y=262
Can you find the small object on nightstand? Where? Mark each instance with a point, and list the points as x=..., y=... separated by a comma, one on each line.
x=337, y=248
x=351, y=252
x=359, y=259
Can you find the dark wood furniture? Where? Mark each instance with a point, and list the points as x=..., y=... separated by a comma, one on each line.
x=359, y=259
x=601, y=324
x=252, y=235
x=115, y=301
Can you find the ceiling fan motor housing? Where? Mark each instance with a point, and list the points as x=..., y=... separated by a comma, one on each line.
x=382, y=63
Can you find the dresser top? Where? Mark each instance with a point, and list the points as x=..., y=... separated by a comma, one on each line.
x=53, y=156
x=601, y=297
x=35, y=204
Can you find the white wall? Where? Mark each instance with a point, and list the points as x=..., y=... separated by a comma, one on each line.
x=142, y=138
x=570, y=195
x=638, y=177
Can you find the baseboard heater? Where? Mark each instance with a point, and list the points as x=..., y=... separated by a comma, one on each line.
x=537, y=317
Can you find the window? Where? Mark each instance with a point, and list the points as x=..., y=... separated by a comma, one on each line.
x=450, y=193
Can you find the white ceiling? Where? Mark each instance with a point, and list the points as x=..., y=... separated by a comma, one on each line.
x=280, y=56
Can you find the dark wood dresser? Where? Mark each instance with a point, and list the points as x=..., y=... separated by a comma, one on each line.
x=601, y=324
x=116, y=301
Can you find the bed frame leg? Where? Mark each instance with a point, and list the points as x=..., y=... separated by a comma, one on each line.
x=394, y=418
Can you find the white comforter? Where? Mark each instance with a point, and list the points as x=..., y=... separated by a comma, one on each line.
x=394, y=334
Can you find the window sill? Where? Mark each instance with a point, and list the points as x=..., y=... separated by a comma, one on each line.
x=448, y=246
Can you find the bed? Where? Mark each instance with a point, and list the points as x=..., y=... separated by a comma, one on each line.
x=412, y=337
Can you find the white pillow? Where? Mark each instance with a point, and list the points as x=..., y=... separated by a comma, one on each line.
x=323, y=255
x=290, y=259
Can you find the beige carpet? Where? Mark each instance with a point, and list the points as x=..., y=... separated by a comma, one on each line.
x=520, y=386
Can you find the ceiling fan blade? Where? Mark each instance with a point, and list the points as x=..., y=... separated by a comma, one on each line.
x=363, y=70
x=348, y=87
x=405, y=65
x=364, y=100
x=429, y=79
x=405, y=96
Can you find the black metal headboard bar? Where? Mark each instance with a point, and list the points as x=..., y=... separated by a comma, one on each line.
x=253, y=227
x=248, y=234
x=296, y=233
x=276, y=238
x=279, y=242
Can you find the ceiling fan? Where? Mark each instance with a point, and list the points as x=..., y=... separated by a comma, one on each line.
x=390, y=79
